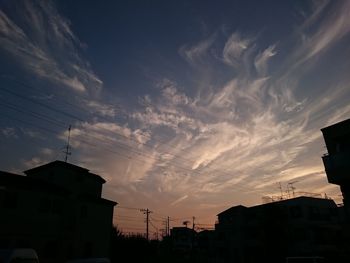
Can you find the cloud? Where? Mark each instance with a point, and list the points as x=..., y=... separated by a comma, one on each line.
x=32, y=134
x=243, y=134
x=47, y=151
x=197, y=53
x=9, y=132
x=222, y=136
x=167, y=110
x=41, y=41
x=234, y=49
x=179, y=200
x=112, y=149
x=220, y=149
x=101, y=108
x=331, y=30
x=33, y=162
x=171, y=94
x=327, y=25
x=262, y=59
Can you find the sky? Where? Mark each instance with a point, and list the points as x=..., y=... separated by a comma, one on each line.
x=184, y=107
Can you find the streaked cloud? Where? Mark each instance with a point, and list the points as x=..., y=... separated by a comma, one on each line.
x=234, y=49
x=262, y=59
x=33, y=162
x=198, y=52
x=47, y=151
x=242, y=116
x=9, y=132
x=179, y=200
x=100, y=108
x=315, y=40
x=246, y=134
x=42, y=42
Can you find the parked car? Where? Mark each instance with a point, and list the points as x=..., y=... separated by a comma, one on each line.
x=18, y=255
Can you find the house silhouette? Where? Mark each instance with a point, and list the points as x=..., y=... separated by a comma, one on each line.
x=337, y=160
x=57, y=209
x=301, y=226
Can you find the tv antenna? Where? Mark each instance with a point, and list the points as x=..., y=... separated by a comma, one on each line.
x=185, y=223
x=291, y=186
x=280, y=187
x=67, y=148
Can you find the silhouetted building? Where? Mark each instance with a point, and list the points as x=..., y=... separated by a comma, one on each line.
x=337, y=161
x=302, y=226
x=56, y=209
x=206, y=245
x=183, y=238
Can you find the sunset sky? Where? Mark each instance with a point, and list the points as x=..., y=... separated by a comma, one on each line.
x=184, y=107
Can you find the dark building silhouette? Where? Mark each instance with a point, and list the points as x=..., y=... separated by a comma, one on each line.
x=56, y=209
x=337, y=161
x=183, y=238
x=206, y=245
x=302, y=226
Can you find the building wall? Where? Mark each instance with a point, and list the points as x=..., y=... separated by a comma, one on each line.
x=58, y=223
x=295, y=227
x=78, y=181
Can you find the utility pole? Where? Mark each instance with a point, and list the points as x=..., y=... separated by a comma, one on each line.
x=67, y=152
x=193, y=231
x=146, y=212
x=168, y=231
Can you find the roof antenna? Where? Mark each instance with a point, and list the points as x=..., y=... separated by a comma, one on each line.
x=67, y=152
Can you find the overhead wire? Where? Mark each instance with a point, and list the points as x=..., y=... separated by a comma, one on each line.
x=46, y=118
x=80, y=119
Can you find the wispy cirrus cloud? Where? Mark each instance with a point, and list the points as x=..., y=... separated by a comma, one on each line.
x=41, y=41
x=179, y=200
x=9, y=132
x=248, y=133
x=234, y=48
x=327, y=25
x=103, y=109
x=262, y=59
x=118, y=149
x=242, y=130
x=197, y=53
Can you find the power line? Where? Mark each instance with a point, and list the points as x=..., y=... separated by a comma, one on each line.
x=130, y=208
x=138, y=153
x=79, y=119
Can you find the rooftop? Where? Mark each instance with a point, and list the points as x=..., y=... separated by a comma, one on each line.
x=60, y=164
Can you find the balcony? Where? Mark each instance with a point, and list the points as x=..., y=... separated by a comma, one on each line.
x=337, y=167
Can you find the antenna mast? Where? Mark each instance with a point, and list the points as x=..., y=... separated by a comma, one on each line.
x=291, y=186
x=280, y=187
x=67, y=152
